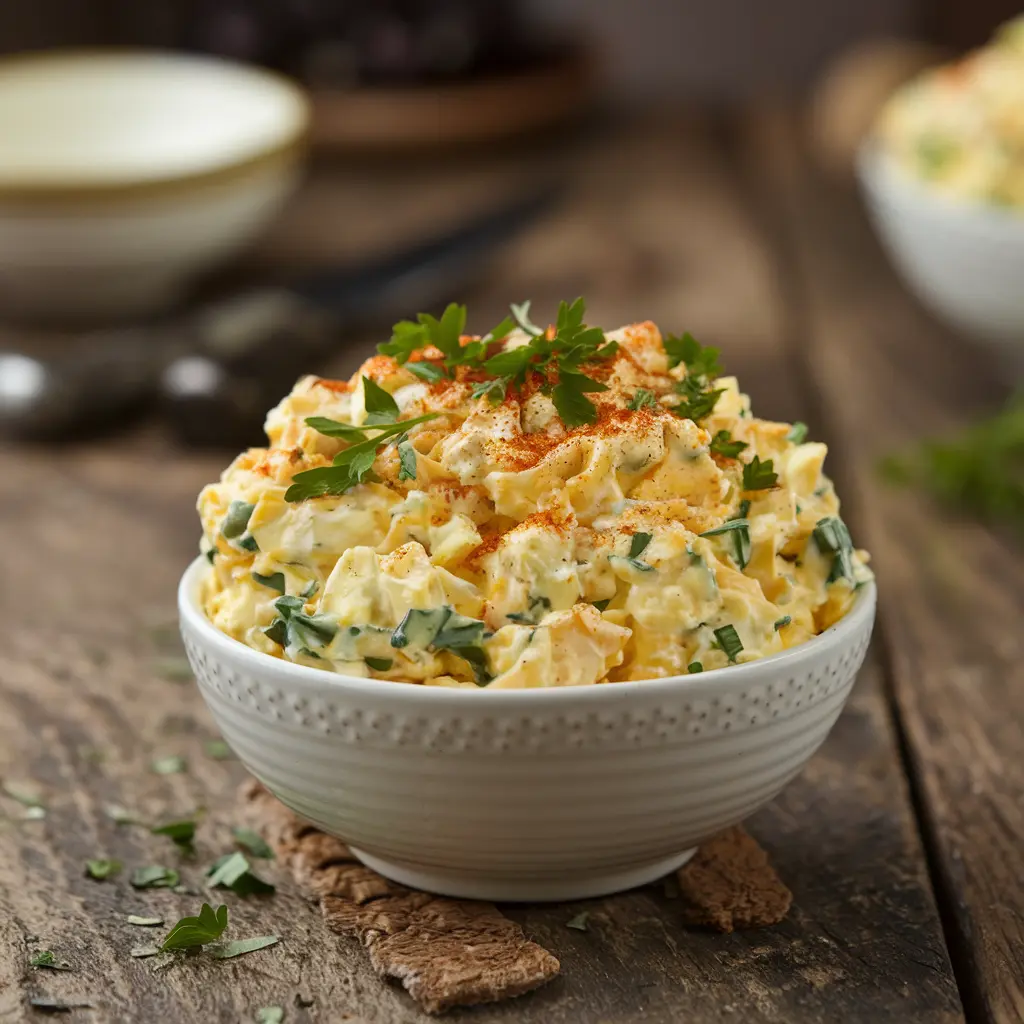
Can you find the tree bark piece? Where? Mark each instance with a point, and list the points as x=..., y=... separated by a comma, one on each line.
x=730, y=884
x=445, y=952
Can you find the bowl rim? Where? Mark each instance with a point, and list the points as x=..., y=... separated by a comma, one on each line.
x=837, y=636
x=286, y=148
x=882, y=176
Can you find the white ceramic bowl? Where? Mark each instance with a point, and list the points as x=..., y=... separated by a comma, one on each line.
x=548, y=794
x=125, y=173
x=964, y=260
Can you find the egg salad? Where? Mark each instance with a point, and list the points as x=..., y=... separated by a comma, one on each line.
x=961, y=127
x=535, y=507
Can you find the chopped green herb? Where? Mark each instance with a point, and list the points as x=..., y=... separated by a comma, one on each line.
x=426, y=371
x=570, y=398
x=700, y=361
x=758, y=475
x=25, y=793
x=697, y=402
x=102, y=869
x=539, y=607
x=46, y=958
x=298, y=630
x=218, y=750
x=784, y=621
x=190, y=932
x=253, y=842
x=694, y=667
x=46, y=1005
x=145, y=922
x=602, y=605
x=175, y=668
x=211, y=554
x=832, y=537
x=181, y=833
x=121, y=815
x=144, y=951
x=740, y=531
x=269, y=1015
x=723, y=444
x=248, y=543
x=237, y=519
x=275, y=581
x=233, y=871
x=380, y=406
x=638, y=545
x=154, y=877
x=643, y=399
x=521, y=315
x=238, y=947
x=729, y=640
x=173, y=765
x=444, y=334
x=797, y=433
x=744, y=509
x=311, y=589
x=379, y=664
x=579, y=922
x=406, y=460
x=350, y=467
x=34, y=814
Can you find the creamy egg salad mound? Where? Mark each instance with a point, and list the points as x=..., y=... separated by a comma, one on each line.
x=537, y=507
x=961, y=127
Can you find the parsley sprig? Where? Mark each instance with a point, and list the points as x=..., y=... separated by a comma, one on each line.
x=698, y=398
x=758, y=475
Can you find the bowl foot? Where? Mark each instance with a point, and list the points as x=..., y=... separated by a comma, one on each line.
x=543, y=889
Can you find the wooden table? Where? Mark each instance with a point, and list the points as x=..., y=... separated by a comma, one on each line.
x=902, y=841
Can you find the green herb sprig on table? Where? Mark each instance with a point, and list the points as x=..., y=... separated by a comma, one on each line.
x=980, y=471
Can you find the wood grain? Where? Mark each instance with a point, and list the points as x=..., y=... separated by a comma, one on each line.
x=951, y=590
x=95, y=538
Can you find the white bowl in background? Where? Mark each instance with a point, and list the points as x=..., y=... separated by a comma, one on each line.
x=125, y=173
x=541, y=794
x=964, y=260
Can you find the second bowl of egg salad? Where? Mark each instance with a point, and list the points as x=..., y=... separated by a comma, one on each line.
x=943, y=174
x=593, y=523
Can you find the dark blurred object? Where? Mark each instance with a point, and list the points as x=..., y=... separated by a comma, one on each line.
x=218, y=370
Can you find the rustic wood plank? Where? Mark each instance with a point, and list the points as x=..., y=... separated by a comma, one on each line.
x=96, y=539
x=950, y=590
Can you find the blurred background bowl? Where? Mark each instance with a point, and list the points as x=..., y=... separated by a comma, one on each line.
x=963, y=260
x=125, y=173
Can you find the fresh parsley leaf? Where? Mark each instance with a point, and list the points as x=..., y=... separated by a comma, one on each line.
x=579, y=922
x=700, y=361
x=269, y=1015
x=638, y=545
x=493, y=389
x=832, y=537
x=380, y=406
x=218, y=750
x=797, y=433
x=181, y=833
x=501, y=331
x=173, y=765
x=570, y=398
x=784, y=621
x=253, y=842
x=154, y=876
x=275, y=581
x=190, y=932
x=233, y=871
x=723, y=444
x=335, y=428
x=406, y=338
x=351, y=466
x=426, y=371
x=445, y=629
x=758, y=475
x=102, y=869
x=46, y=958
x=406, y=459
x=238, y=947
x=236, y=520
x=740, y=531
x=521, y=315
x=379, y=664
x=145, y=922
x=643, y=399
x=729, y=640
x=296, y=629
x=697, y=403
x=694, y=667
x=444, y=334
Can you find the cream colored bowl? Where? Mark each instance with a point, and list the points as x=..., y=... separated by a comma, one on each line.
x=548, y=794
x=125, y=173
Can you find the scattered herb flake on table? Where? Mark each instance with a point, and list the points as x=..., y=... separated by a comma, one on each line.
x=102, y=868
x=233, y=871
x=239, y=947
x=181, y=833
x=154, y=876
x=269, y=1015
x=46, y=958
x=218, y=750
x=173, y=765
x=579, y=922
x=145, y=922
x=253, y=843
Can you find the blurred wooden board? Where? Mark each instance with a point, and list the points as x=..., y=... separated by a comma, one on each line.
x=660, y=224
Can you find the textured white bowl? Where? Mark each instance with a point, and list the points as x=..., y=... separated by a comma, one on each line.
x=963, y=260
x=549, y=794
x=125, y=173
